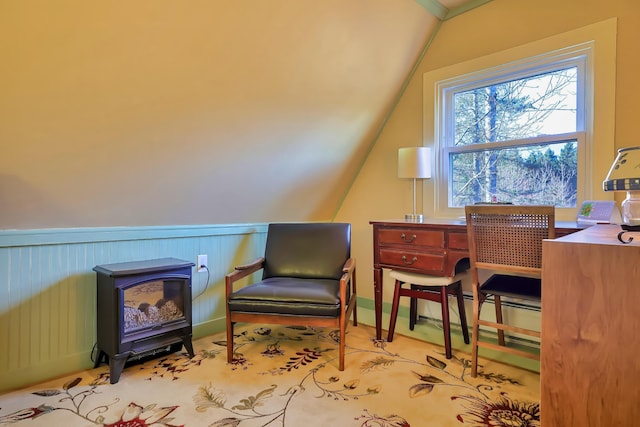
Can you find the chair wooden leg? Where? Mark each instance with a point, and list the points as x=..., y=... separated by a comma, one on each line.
x=446, y=325
x=413, y=310
x=394, y=310
x=462, y=312
x=498, y=304
x=474, y=339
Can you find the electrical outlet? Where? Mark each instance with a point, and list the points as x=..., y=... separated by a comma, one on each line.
x=202, y=263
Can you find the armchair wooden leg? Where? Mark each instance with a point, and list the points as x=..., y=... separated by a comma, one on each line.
x=355, y=315
x=229, y=341
x=354, y=294
x=343, y=337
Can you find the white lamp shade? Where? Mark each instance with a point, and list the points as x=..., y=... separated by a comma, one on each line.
x=624, y=174
x=414, y=162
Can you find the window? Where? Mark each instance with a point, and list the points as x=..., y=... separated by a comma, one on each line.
x=513, y=134
x=531, y=124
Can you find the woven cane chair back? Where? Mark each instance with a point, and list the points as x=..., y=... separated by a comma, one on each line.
x=509, y=237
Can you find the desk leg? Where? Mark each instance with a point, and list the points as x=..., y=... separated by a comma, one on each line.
x=377, y=296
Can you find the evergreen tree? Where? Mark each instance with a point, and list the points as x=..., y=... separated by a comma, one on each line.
x=511, y=111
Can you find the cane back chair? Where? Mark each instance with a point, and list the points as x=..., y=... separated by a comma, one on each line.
x=505, y=242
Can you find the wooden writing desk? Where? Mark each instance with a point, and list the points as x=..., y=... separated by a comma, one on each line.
x=432, y=247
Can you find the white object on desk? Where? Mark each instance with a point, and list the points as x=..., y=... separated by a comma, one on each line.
x=599, y=212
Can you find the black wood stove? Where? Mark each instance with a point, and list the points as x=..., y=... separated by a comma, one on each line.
x=144, y=308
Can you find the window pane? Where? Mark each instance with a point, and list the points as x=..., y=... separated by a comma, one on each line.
x=544, y=104
x=541, y=174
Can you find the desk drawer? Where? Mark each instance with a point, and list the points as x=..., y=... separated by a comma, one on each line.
x=431, y=238
x=458, y=241
x=432, y=262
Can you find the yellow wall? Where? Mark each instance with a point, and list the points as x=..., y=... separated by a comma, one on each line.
x=162, y=112
x=499, y=25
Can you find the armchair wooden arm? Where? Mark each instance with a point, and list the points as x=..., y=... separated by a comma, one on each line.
x=349, y=266
x=348, y=277
x=255, y=265
x=242, y=271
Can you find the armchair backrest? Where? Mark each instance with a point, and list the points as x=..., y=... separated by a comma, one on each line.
x=307, y=250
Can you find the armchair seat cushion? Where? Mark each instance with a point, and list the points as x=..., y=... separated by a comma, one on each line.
x=289, y=296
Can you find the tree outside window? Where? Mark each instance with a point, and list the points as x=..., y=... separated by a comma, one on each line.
x=515, y=139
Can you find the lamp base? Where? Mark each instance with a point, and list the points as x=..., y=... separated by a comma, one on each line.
x=414, y=218
x=631, y=208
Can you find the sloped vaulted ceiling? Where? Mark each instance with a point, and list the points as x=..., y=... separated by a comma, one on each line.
x=159, y=112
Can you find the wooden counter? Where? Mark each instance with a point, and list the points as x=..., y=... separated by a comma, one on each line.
x=590, y=358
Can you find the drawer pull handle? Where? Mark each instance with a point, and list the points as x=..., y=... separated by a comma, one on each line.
x=404, y=259
x=410, y=239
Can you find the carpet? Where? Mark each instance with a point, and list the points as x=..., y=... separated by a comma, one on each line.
x=287, y=377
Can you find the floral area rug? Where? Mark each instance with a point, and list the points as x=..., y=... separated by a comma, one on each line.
x=287, y=377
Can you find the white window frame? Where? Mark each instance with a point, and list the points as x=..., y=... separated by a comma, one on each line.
x=577, y=57
x=595, y=150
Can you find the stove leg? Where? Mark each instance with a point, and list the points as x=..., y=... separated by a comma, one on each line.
x=188, y=345
x=116, y=365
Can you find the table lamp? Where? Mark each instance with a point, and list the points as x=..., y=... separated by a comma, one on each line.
x=414, y=163
x=624, y=175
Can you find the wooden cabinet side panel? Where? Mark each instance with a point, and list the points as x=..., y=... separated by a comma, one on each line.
x=590, y=360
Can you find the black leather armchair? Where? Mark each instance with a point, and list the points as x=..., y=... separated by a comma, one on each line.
x=308, y=279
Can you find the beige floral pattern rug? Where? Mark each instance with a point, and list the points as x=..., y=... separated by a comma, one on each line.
x=287, y=377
